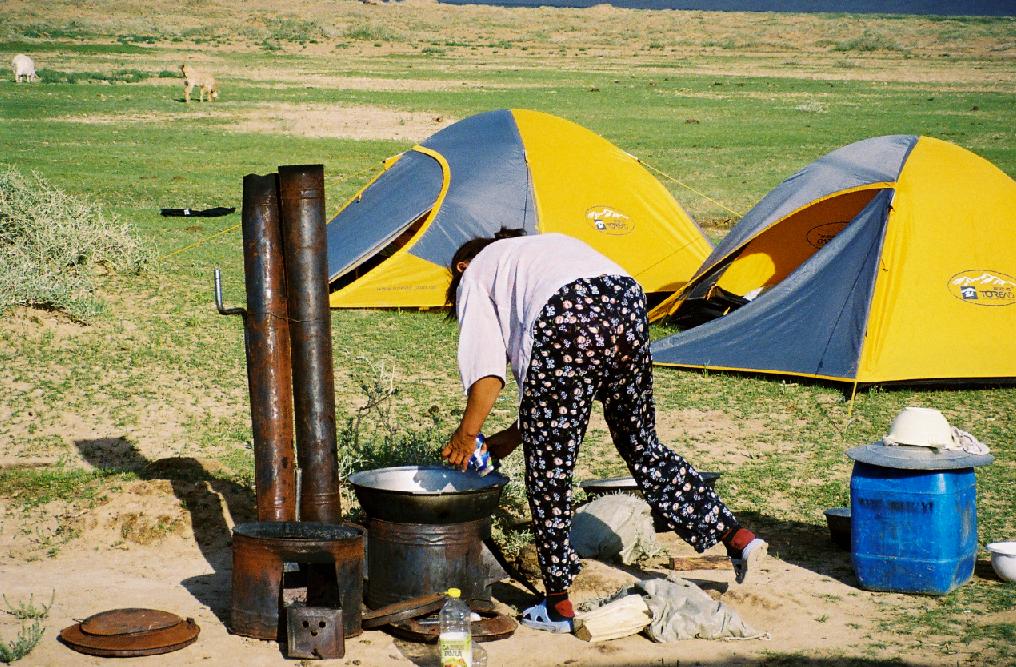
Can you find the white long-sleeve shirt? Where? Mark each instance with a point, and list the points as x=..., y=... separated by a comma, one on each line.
x=503, y=292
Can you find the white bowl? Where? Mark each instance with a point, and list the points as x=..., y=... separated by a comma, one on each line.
x=1003, y=559
x=924, y=427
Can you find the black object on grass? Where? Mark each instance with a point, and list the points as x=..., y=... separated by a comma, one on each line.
x=215, y=212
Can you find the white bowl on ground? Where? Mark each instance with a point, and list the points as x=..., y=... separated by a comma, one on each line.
x=1003, y=559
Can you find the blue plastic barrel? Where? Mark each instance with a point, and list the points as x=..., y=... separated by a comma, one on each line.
x=912, y=531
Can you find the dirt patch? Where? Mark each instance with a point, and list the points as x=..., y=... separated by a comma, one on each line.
x=308, y=120
x=305, y=120
x=713, y=434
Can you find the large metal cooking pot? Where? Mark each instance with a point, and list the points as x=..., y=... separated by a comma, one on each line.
x=427, y=494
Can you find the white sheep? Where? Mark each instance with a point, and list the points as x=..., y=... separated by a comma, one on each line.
x=24, y=68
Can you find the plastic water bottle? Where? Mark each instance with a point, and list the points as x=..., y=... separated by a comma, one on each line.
x=456, y=639
x=481, y=461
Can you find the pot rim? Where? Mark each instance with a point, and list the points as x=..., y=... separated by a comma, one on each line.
x=493, y=481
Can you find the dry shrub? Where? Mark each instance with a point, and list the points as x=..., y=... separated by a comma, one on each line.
x=53, y=245
x=142, y=529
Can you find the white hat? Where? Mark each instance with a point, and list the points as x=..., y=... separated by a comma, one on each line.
x=921, y=427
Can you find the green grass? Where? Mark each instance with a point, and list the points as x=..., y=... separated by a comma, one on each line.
x=869, y=40
x=372, y=32
x=160, y=344
x=31, y=487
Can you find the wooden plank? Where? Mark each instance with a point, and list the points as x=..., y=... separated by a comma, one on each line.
x=688, y=563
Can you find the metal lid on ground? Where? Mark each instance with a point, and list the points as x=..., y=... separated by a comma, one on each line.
x=130, y=632
x=909, y=457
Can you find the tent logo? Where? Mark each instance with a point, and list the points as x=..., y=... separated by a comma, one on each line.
x=984, y=288
x=609, y=221
x=819, y=235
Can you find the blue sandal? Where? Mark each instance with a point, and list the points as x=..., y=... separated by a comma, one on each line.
x=537, y=617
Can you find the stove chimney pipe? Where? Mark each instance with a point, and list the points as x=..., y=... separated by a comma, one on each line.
x=301, y=189
x=266, y=332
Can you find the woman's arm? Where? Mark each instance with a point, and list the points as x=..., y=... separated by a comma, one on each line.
x=479, y=402
x=503, y=443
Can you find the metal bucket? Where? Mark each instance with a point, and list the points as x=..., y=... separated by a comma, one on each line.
x=335, y=557
x=407, y=560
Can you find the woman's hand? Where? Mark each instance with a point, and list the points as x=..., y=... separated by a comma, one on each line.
x=503, y=443
x=479, y=400
x=459, y=448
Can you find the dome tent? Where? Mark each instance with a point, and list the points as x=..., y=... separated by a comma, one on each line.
x=891, y=259
x=391, y=244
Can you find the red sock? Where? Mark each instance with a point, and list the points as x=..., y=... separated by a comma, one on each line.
x=559, y=607
x=741, y=539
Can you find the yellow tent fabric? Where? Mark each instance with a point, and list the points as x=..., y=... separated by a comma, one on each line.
x=944, y=304
x=391, y=243
x=588, y=188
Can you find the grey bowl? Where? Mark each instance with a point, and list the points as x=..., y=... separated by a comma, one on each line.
x=599, y=487
x=427, y=494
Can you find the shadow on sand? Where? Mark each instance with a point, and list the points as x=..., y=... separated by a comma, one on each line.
x=203, y=493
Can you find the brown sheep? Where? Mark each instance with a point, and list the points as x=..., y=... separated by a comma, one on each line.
x=205, y=82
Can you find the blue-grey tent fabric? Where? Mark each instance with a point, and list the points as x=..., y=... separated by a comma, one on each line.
x=390, y=204
x=490, y=184
x=811, y=323
x=875, y=160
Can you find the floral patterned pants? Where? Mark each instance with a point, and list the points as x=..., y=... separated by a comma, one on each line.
x=592, y=342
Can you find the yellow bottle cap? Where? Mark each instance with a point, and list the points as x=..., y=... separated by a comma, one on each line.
x=454, y=592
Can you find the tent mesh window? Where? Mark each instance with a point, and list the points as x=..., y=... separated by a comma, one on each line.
x=378, y=258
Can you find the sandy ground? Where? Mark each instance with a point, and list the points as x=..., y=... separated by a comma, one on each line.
x=161, y=541
x=163, y=544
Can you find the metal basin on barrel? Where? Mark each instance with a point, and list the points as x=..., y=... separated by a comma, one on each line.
x=425, y=530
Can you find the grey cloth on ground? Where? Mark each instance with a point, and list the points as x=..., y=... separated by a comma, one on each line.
x=682, y=610
x=614, y=525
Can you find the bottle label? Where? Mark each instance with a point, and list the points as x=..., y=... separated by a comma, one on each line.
x=456, y=649
x=480, y=462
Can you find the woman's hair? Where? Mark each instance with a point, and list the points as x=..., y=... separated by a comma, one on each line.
x=466, y=252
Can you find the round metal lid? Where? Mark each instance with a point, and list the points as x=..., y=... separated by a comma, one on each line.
x=917, y=458
x=128, y=621
x=130, y=632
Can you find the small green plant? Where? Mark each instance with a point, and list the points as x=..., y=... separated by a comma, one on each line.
x=373, y=437
x=28, y=610
x=285, y=29
x=72, y=30
x=30, y=633
x=27, y=639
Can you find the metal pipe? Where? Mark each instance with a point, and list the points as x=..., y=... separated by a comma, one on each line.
x=301, y=190
x=217, y=295
x=269, y=370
